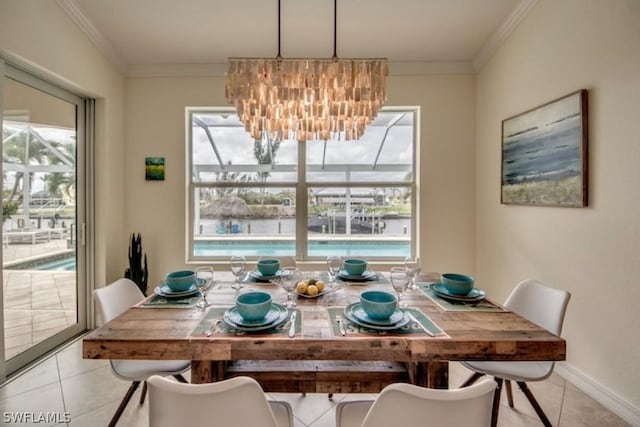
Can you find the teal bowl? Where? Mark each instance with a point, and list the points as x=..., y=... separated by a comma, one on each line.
x=253, y=305
x=355, y=267
x=179, y=281
x=268, y=267
x=378, y=305
x=457, y=284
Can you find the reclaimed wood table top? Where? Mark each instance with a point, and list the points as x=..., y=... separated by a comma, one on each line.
x=152, y=333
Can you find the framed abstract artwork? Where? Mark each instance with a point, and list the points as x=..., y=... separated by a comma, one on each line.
x=544, y=154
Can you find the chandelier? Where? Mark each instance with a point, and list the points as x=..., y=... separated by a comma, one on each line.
x=307, y=98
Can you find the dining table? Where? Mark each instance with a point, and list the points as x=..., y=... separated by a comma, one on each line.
x=323, y=350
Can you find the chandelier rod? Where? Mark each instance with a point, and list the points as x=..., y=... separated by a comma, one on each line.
x=335, y=30
x=279, y=57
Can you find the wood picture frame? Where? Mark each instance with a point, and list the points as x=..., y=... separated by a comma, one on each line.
x=545, y=154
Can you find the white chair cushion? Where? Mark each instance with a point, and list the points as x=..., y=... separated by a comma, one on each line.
x=140, y=370
x=513, y=371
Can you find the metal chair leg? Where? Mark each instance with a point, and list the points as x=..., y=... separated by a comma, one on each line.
x=123, y=403
x=180, y=378
x=143, y=394
x=534, y=403
x=496, y=402
x=507, y=384
x=472, y=379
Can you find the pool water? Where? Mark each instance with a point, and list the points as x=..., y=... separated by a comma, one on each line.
x=321, y=248
x=65, y=264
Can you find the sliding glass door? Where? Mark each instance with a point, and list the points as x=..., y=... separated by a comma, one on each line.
x=43, y=298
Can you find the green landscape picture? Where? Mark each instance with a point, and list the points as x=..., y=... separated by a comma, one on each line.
x=154, y=168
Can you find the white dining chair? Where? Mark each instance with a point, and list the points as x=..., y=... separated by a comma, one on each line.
x=409, y=405
x=238, y=401
x=111, y=301
x=544, y=306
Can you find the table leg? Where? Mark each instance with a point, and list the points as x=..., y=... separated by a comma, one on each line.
x=433, y=374
x=438, y=375
x=207, y=371
x=202, y=371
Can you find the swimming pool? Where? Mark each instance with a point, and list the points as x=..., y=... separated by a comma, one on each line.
x=65, y=264
x=316, y=248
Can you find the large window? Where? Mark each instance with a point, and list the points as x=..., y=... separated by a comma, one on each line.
x=311, y=200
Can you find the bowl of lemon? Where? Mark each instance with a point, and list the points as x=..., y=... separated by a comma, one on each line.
x=311, y=288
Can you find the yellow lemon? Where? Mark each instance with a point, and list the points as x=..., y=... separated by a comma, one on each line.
x=301, y=288
x=312, y=290
x=320, y=285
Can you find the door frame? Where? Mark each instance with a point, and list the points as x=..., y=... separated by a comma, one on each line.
x=84, y=204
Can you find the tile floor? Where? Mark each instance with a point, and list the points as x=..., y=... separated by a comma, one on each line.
x=86, y=389
x=37, y=304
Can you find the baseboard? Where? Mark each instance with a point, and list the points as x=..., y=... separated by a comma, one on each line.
x=599, y=393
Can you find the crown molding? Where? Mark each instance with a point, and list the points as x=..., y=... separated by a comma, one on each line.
x=96, y=37
x=517, y=15
x=218, y=70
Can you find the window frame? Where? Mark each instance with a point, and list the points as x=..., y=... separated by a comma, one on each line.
x=301, y=187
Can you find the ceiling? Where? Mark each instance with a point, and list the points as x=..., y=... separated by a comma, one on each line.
x=143, y=36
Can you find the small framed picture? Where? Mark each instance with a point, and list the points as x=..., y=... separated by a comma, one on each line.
x=544, y=154
x=154, y=168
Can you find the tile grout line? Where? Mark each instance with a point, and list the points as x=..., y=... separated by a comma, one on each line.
x=564, y=394
x=64, y=402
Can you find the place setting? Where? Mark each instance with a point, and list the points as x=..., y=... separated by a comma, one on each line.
x=354, y=271
x=378, y=312
x=267, y=271
x=457, y=292
x=253, y=312
x=181, y=288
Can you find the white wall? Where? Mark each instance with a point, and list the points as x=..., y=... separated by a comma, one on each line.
x=155, y=127
x=593, y=252
x=43, y=38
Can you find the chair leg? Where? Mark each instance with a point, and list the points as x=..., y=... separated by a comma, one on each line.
x=507, y=384
x=123, y=403
x=180, y=378
x=143, y=394
x=496, y=403
x=534, y=403
x=472, y=379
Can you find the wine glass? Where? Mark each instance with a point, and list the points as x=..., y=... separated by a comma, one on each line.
x=238, y=264
x=288, y=281
x=413, y=270
x=335, y=264
x=400, y=282
x=204, y=280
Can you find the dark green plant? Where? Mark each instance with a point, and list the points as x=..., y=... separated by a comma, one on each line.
x=137, y=271
x=9, y=208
